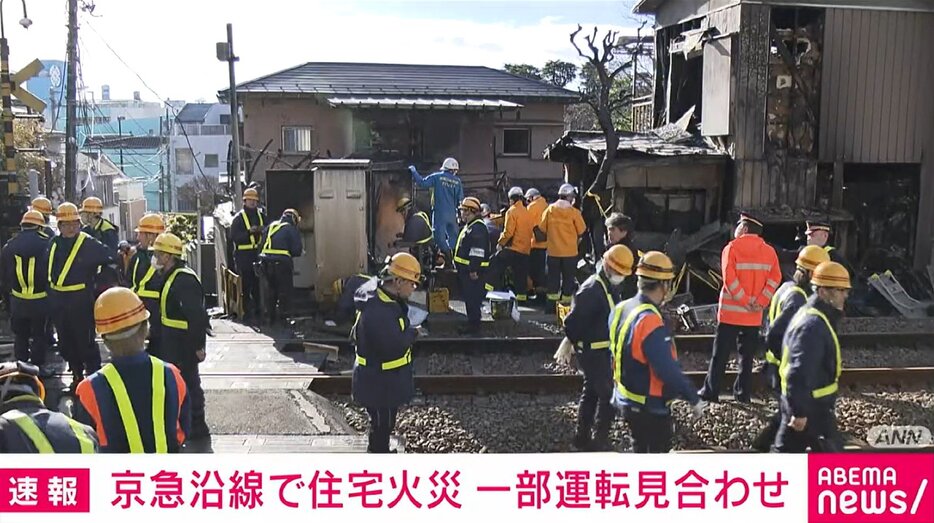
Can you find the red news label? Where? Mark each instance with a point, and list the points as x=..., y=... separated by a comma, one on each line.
x=871, y=488
x=45, y=490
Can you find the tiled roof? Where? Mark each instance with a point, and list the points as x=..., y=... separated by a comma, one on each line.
x=436, y=81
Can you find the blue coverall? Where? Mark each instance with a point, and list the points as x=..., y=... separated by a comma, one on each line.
x=446, y=194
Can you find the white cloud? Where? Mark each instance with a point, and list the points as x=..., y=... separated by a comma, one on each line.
x=171, y=43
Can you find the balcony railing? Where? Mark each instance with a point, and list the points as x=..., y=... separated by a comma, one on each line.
x=643, y=114
x=194, y=129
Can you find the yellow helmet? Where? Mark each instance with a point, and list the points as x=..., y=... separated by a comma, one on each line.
x=93, y=205
x=152, y=223
x=118, y=308
x=620, y=259
x=471, y=204
x=251, y=194
x=811, y=256
x=168, y=243
x=32, y=218
x=403, y=203
x=656, y=265
x=404, y=265
x=43, y=205
x=67, y=212
x=831, y=275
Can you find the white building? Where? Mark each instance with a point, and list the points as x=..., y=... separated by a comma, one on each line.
x=198, y=150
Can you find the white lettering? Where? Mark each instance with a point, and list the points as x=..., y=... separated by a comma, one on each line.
x=897, y=502
x=825, y=497
x=856, y=476
x=918, y=496
x=824, y=477
x=848, y=502
x=873, y=501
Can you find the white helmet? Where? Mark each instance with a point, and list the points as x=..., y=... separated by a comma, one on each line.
x=567, y=190
x=532, y=193
x=515, y=192
x=450, y=164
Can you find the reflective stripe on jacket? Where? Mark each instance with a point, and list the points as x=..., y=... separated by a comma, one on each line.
x=282, y=240
x=811, y=359
x=240, y=233
x=564, y=225
x=585, y=325
x=139, y=404
x=26, y=426
x=472, y=251
x=645, y=362
x=517, y=229
x=69, y=272
x=24, y=266
x=751, y=275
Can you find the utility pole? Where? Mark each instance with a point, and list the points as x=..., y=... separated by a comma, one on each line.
x=120, y=133
x=161, y=169
x=71, y=141
x=225, y=53
x=168, y=161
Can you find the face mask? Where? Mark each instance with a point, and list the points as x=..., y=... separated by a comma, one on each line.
x=155, y=262
x=616, y=279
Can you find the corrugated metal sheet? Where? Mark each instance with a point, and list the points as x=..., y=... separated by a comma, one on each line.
x=649, y=144
x=340, y=211
x=421, y=103
x=876, y=98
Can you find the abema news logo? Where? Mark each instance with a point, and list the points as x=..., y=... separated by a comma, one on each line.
x=871, y=488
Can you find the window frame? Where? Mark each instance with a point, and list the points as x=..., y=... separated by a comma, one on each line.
x=311, y=139
x=528, y=151
x=191, y=156
x=217, y=160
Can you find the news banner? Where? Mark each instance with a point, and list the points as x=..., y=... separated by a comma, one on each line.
x=817, y=488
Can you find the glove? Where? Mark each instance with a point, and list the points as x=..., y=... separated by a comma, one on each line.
x=564, y=352
x=698, y=409
x=412, y=169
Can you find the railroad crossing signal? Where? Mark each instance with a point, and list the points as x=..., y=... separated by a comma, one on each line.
x=19, y=78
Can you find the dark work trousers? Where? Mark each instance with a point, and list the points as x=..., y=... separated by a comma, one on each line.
x=537, y=268
x=30, y=328
x=73, y=314
x=766, y=438
x=382, y=423
x=192, y=377
x=561, y=282
x=251, y=300
x=820, y=434
x=595, y=398
x=473, y=293
x=519, y=263
x=724, y=343
x=278, y=278
x=651, y=433
x=154, y=347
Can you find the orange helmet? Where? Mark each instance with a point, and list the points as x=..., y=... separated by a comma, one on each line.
x=656, y=265
x=67, y=212
x=92, y=205
x=831, y=275
x=251, y=194
x=168, y=243
x=620, y=259
x=118, y=308
x=43, y=205
x=151, y=223
x=404, y=265
x=32, y=218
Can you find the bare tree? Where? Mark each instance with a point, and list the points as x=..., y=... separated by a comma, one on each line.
x=602, y=95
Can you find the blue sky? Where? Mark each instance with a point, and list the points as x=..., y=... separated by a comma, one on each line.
x=170, y=43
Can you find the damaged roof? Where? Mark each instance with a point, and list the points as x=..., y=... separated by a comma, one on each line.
x=401, y=80
x=648, y=144
x=646, y=7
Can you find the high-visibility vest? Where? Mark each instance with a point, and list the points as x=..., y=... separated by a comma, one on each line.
x=38, y=438
x=267, y=246
x=775, y=308
x=139, y=287
x=170, y=322
x=618, y=342
x=785, y=364
x=27, y=280
x=58, y=284
x=396, y=363
x=457, y=247
x=246, y=222
x=128, y=415
x=600, y=344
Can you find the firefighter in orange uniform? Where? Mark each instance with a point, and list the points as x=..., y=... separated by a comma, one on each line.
x=563, y=224
x=516, y=243
x=645, y=363
x=751, y=275
x=537, y=256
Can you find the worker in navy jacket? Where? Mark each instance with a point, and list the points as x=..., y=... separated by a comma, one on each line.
x=383, y=379
x=472, y=257
x=790, y=297
x=281, y=242
x=24, y=282
x=811, y=366
x=645, y=362
x=587, y=331
x=246, y=231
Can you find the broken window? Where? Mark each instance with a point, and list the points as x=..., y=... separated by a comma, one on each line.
x=659, y=210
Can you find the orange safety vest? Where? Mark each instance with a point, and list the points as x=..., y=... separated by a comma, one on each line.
x=751, y=275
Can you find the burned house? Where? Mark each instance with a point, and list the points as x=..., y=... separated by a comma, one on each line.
x=824, y=107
